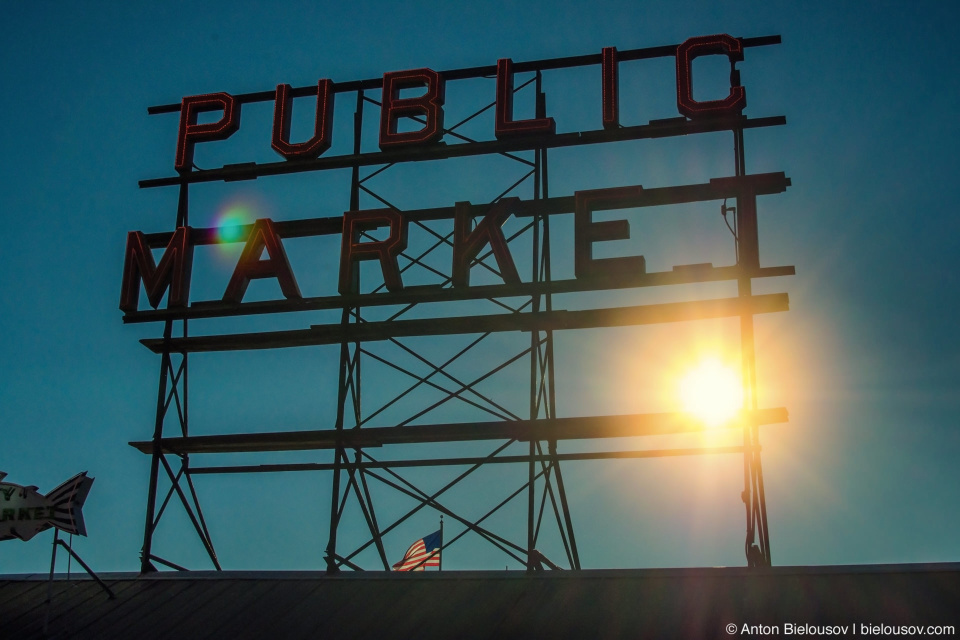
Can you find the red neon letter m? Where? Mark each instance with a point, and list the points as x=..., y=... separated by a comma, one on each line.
x=173, y=272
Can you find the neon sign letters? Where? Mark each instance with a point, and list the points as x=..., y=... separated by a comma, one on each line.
x=264, y=256
x=429, y=106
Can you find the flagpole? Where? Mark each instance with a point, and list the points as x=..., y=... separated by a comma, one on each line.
x=440, y=567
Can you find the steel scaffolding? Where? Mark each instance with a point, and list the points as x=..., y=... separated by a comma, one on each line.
x=539, y=428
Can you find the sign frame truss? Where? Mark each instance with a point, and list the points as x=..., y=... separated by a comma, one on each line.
x=354, y=468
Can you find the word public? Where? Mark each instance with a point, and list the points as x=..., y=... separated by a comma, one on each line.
x=428, y=107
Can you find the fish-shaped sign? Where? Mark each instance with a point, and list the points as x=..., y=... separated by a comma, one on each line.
x=24, y=512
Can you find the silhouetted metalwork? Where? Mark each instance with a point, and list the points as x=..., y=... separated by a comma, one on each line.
x=351, y=440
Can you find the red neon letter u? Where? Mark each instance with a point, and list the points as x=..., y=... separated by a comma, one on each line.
x=322, y=128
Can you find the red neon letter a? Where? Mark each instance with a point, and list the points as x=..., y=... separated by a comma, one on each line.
x=393, y=107
x=191, y=132
x=250, y=266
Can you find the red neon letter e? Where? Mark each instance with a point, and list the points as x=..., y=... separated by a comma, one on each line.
x=322, y=128
x=393, y=107
x=586, y=232
x=191, y=132
x=506, y=126
x=705, y=45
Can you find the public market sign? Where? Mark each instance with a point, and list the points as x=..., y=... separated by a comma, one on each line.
x=263, y=255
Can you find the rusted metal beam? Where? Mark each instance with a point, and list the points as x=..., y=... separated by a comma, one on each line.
x=641, y=424
x=533, y=321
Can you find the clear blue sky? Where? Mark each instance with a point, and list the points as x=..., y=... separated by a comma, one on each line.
x=867, y=360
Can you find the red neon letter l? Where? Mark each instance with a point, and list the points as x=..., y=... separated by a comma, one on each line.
x=506, y=126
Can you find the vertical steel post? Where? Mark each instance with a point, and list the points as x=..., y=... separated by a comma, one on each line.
x=53, y=563
x=440, y=562
x=534, y=353
x=748, y=252
x=345, y=362
x=145, y=565
x=551, y=387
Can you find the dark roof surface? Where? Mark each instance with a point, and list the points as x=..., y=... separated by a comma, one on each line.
x=651, y=603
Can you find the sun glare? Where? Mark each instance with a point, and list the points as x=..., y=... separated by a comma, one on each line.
x=711, y=392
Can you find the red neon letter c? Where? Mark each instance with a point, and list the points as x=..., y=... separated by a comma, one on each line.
x=393, y=107
x=705, y=45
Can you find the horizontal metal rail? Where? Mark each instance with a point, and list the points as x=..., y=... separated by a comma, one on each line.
x=646, y=53
x=440, y=151
x=681, y=274
x=622, y=426
x=533, y=321
x=465, y=461
x=758, y=184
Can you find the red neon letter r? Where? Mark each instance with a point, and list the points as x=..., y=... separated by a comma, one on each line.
x=386, y=251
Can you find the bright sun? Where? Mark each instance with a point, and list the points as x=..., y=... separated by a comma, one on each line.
x=712, y=392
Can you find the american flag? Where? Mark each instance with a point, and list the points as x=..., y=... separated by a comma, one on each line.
x=425, y=552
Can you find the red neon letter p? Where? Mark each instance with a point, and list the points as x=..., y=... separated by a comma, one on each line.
x=191, y=132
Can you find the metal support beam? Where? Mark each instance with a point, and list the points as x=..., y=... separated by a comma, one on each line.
x=525, y=322
x=587, y=427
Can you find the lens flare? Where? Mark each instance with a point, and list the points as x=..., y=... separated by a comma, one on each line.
x=230, y=223
x=711, y=392
x=231, y=217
